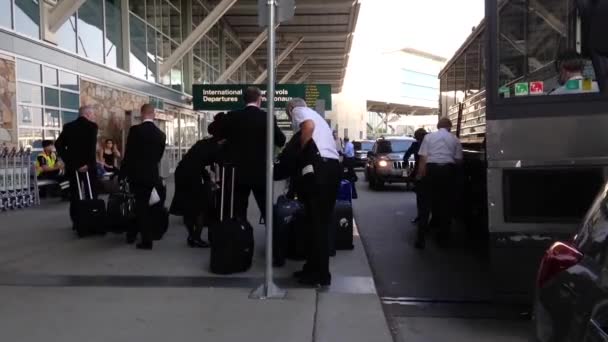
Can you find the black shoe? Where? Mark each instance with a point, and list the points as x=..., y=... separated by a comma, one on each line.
x=144, y=245
x=314, y=281
x=420, y=243
x=197, y=243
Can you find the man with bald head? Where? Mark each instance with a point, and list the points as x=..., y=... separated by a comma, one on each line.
x=143, y=152
x=439, y=153
x=77, y=147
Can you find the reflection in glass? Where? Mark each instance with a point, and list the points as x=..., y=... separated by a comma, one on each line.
x=138, y=53
x=176, y=25
x=6, y=20
x=138, y=7
x=30, y=116
x=28, y=71
x=50, y=76
x=165, y=16
x=27, y=93
x=66, y=35
x=113, y=38
x=51, y=97
x=176, y=76
x=67, y=116
x=68, y=80
x=30, y=138
x=27, y=17
x=151, y=12
x=51, y=134
x=151, y=55
x=51, y=118
x=90, y=30
x=70, y=100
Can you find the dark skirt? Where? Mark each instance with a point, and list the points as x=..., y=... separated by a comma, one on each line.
x=191, y=197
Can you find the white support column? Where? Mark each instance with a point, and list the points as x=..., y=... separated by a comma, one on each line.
x=196, y=35
x=243, y=57
x=293, y=70
x=62, y=12
x=303, y=78
x=280, y=59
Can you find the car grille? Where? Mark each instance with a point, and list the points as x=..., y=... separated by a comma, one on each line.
x=400, y=165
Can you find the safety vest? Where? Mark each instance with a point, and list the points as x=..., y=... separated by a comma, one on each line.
x=50, y=162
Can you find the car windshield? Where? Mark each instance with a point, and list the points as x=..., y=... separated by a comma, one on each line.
x=393, y=146
x=363, y=145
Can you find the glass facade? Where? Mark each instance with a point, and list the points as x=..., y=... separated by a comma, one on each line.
x=155, y=33
x=420, y=86
x=47, y=98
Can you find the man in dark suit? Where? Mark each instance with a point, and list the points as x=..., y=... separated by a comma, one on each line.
x=144, y=150
x=246, y=149
x=76, y=145
x=413, y=150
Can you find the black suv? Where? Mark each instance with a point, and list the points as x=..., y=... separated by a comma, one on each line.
x=385, y=162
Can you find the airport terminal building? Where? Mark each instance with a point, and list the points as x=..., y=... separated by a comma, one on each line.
x=116, y=55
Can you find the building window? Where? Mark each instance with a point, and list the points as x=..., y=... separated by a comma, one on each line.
x=90, y=30
x=207, y=50
x=27, y=17
x=46, y=99
x=155, y=34
x=6, y=20
x=113, y=33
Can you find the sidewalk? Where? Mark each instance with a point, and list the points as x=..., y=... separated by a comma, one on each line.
x=55, y=287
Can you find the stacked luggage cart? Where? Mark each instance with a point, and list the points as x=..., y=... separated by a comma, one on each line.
x=18, y=187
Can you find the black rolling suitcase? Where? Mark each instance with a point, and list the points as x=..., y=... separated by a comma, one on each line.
x=343, y=226
x=285, y=212
x=90, y=214
x=121, y=210
x=232, y=242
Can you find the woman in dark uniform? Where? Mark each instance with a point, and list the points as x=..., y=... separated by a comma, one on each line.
x=193, y=197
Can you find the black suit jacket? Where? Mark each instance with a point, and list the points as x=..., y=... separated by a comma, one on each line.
x=77, y=144
x=143, y=152
x=245, y=131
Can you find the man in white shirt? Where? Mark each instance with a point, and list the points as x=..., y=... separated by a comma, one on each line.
x=320, y=174
x=439, y=153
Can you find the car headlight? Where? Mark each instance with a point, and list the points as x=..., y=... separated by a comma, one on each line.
x=383, y=163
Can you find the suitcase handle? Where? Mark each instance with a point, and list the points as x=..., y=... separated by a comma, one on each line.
x=80, y=188
x=223, y=193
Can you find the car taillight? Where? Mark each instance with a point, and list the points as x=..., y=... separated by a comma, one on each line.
x=559, y=257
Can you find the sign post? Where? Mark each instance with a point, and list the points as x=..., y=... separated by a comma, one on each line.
x=269, y=290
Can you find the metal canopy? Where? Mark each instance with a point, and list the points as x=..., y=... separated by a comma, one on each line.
x=327, y=27
x=399, y=109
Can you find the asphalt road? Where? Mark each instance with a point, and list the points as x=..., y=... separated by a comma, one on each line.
x=436, y=294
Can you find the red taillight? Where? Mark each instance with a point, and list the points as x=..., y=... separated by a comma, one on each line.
x=557, y=258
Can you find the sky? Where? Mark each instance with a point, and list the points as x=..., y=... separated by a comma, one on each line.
x=436, y=26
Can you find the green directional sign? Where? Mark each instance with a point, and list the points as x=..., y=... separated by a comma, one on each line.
x=522, y=89
x=224, y=97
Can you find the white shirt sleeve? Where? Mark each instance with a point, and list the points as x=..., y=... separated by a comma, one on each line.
x=300, y=115
x=458, y=151
x=424, y=147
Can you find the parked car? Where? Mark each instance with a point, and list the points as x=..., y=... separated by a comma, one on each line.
x=362, y=147
x=571, y=302
x=385, y=162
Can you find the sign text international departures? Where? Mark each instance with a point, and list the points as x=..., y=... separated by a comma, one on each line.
x=223, y=97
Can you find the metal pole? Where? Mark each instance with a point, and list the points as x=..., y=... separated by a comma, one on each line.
x=269, y=290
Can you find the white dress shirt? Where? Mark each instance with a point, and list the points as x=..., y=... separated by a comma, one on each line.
x=441, y=147
x=322, y=135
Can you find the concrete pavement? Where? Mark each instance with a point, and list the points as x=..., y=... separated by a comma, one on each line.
x=55, y=287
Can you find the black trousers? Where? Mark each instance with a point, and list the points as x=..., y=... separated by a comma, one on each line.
x=74, y=193
x=143, y=224
x=241, y=198
x=319, y=198
x=436, y=195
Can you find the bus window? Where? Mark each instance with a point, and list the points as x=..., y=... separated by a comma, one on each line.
x=541, y=49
